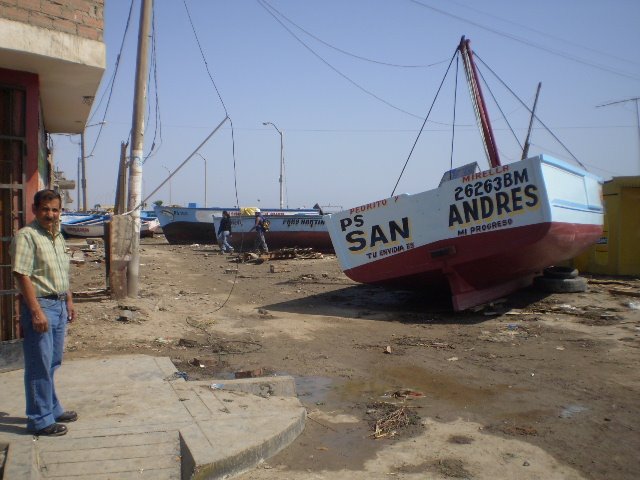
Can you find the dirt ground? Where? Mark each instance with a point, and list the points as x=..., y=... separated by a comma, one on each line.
x=540, y=386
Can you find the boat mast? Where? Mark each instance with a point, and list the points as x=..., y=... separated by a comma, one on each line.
x=525, y=150
x=482, y=116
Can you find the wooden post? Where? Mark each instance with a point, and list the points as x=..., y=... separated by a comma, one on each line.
x=121, y=189
x=137, y=143
x=119, y=234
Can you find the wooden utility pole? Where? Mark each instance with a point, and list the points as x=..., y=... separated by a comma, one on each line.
x=121, y=190
x=137, y=143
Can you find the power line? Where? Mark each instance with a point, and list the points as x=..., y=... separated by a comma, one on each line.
x=558, y=53
x=540, y=32
x=111, y=83
x=359, y=57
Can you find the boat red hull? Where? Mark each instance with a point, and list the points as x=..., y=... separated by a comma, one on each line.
x=481, y=267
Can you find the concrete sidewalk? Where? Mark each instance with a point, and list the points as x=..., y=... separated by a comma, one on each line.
x=137, y=419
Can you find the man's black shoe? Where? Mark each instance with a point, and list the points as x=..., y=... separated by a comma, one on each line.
x=53, y=430
x=66, y=417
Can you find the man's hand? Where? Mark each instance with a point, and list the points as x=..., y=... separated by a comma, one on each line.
x=71, y=311
x=39, y=321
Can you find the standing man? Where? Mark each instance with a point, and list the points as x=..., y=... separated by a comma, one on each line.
x=40, y=265
x=224, y=232
x=260, y=243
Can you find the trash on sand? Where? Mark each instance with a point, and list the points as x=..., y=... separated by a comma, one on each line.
x=512, y=326
x=405, y=393
x=161, y=340
x=126, y=316
x=570, y=410
x=196, y=363
x=389, y=424
x=387, y=349
x=258, y=372
x=559, y=348
x=182, y=375
x=452, y=359
x=634, y=305
x=185, y=342
x=217, y=386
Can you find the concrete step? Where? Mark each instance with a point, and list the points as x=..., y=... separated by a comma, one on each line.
x=138, y=420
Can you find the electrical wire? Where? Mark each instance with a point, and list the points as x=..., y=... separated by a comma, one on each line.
x=531, y=112
x=424, y=123
x=233, y=146
x=154, y=68
x=111, y=83
x=488, y=87
x=359, y=57
x=558, y=53
x=540, y=32
x=348, y=79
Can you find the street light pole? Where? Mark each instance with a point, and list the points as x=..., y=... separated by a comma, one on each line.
x=83, y=166
x=169, y=183
x=205, y=178
x=84, y=172
x=281, y=163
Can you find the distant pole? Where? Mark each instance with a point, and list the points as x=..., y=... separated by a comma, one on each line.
x=169, y=178
x=635, y=99
x=78, y=184
x=84, y=171
x=137, y=144
x=281, y=163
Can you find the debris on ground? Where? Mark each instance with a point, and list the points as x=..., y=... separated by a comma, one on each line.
x=258, y=372
x=422, y=342
x=624, y=291
x=405, y=393
x=294, y=253
x=390, y=419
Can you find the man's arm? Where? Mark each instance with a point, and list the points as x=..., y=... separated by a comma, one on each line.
x=71, y=311
x=38, y=318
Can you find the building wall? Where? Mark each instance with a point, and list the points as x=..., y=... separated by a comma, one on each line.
x=84, y=18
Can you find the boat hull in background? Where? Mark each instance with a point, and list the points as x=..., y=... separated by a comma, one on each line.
x=288, y=228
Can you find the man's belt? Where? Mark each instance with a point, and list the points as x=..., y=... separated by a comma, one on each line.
x=55, y=296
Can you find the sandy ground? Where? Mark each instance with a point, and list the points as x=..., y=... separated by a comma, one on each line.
x=538, y=387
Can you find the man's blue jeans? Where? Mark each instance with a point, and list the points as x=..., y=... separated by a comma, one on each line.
x=223, y=241
x=42, y=356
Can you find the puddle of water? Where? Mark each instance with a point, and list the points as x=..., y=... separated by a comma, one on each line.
x=313, y=389
x=432, y=385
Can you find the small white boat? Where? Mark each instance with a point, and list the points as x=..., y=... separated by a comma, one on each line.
x=93, y=226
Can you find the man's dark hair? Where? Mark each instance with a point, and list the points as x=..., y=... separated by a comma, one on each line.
x=46, y=196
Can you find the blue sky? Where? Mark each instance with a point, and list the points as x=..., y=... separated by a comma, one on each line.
x=349, y=123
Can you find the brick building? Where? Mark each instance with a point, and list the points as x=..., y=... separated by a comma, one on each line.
x=52, y=57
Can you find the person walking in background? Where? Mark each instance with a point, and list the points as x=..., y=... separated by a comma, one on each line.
x=40, y=265
x=224, y=232
x=260, y=243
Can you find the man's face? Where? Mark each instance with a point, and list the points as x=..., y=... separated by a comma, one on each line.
x=48, y=213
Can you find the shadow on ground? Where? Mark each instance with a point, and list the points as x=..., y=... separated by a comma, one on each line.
x=406, y=306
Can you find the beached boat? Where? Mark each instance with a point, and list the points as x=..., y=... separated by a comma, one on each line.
x=74, y=225
x=90, y=227
x=288, y=227
x=484, y=233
